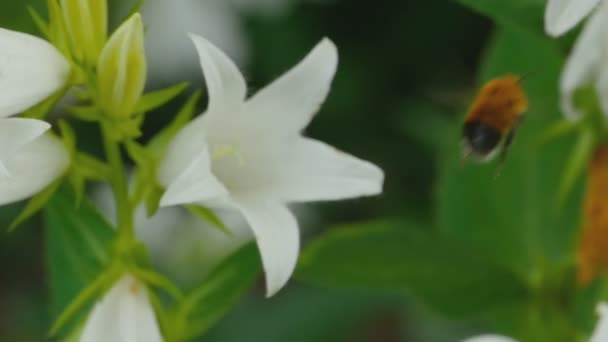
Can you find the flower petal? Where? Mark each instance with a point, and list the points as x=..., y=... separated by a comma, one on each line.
x=124, y=314
x=315, y=171
x=562, y=15
x=33, y=167
x=277, y=235
x=31, y=69
x=16, y=132
x=583, y=63
x=489, y=338
x=600, y=333
x=225, y=83
x=289, y=103
x=186, y=169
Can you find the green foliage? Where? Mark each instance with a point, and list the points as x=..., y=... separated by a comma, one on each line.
x=218, y=293
x=35, y=204
x=400, y=256
x=210, y=217
x=155, y=99
x=526, y=14
x=78, y=250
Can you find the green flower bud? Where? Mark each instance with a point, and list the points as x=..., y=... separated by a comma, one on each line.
x=87, y=25
x=122, y=69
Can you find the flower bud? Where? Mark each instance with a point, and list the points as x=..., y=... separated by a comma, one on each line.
x=122, y=69
x=87, y=24
x=593, y=248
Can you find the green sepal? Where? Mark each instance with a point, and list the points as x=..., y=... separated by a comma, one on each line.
x=85, y=113
x=35, y=204
x=88, y=294
x=220, y=291
x=576, y=164
x=160, y=142
x=155, y=99
x=157, y=280
x=209, y=216
x=41, y=109
x=57, y=29
x=153, y=201
x=40, y=23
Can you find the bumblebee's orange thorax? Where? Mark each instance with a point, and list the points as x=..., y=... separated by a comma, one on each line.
x=499, y=104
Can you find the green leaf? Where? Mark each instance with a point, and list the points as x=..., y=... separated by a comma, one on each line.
x=512, y=219
x=526, y=14
x=400, y=256
x=35, y=204
x=219, y=292
x=158, y=98
x=579, y=158
x=78, y=249
x=209, y=216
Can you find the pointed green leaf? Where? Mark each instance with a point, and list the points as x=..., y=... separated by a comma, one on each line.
x=219, y=292
x=403, y=257
x=157, y=280
x=35, y=204
x=40, y=110
x=78, y=250
x=209, y=216
x=155, y=99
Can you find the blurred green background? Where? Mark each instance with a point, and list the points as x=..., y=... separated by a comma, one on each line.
x=472, y=245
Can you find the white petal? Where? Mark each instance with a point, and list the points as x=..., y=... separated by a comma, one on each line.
x=124, y=314
x=186, y=168
x=31, y=69
x=289, y=103
x=583, y=63
x=277, y=236
x=315, y=171
x=225, y=84
x=562, y=15
x=16, y=132
x=33, y=167
x=600, y=333
x=197, y=183
x=489, y=338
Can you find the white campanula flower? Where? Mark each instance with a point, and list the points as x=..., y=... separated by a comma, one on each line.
x=563, y=15
x=249, y=154
x=124, y=314
x=31, y=69
x=600, y=333
x=587, y=63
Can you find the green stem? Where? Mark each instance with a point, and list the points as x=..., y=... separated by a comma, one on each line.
x=118, y=181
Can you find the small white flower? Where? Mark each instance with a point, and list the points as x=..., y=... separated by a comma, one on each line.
x=587, y=63
x=31, y=69
x=124, y=314
x=489, y=338
x=563, y=15
x=249, y=154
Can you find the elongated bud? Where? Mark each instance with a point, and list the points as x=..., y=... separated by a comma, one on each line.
x=87, y=26
x=122, y=69
x=593, y=249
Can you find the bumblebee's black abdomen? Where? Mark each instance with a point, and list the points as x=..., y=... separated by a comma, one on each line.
x=481, y=138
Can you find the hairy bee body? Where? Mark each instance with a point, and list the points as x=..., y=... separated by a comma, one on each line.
x=490, y=124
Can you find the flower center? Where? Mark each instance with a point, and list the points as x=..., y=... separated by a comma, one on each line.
x=228, y=151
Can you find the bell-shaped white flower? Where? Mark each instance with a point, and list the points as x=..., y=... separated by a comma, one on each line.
x=587, y=63
x=249, y=154
x=31, y=69
x=124, y=314
x=563, y=15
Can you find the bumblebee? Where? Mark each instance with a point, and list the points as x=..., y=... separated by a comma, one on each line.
x=490, y=124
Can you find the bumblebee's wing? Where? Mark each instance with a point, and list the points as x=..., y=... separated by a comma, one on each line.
x=505, y=148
